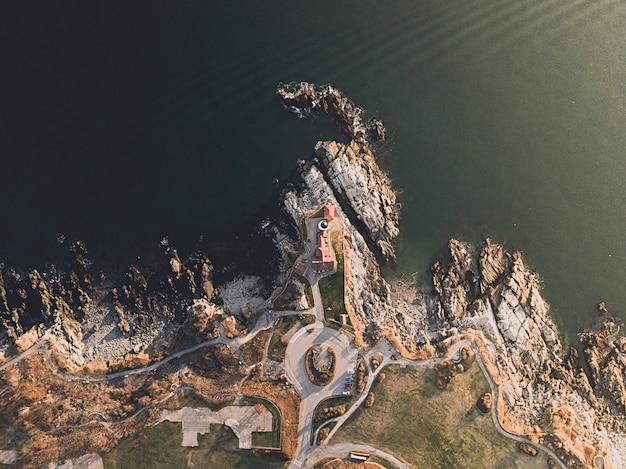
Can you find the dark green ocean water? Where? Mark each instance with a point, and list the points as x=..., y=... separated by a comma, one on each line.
x=125, y=123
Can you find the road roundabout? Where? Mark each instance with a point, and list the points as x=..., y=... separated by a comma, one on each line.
x=311, y=394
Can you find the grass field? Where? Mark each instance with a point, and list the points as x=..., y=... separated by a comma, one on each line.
x=191, y=399
x=332, y=290
x=160, y=447
x=430, y=428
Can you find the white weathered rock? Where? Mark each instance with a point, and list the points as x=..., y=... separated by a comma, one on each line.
x=356, y=177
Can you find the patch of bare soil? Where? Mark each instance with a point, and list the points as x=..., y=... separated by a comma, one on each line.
x=253, y=351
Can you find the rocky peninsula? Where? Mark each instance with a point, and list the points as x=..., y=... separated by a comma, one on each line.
x=570, y=399
x=573, y=404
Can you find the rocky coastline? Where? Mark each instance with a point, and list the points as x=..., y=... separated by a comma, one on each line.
x=572, y=402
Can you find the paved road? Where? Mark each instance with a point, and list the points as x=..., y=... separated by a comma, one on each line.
x=311, y=395
x=341, y=450
x=387, y=350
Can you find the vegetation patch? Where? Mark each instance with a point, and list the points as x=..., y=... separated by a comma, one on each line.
x=428, y=427
x=338, y=463
x=332, y=288
x=193, y=399
x=448, y=369
x=160, y=446
x=320, y=363
x=327, y=409
x=278, y=344
x=253, y=351
x=292, y=297
x=330, y=408
x=219, y=363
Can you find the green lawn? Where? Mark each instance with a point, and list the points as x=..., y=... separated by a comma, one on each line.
x=191, y=399
x=427, y=427
x=332, y=291
x=161, y=448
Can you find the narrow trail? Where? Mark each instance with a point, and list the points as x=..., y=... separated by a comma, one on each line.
x=386, y=349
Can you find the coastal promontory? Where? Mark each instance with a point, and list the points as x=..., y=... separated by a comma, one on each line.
x=89, y=365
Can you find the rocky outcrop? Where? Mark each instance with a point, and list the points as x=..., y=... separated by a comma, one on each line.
x=305, y=99
x=451, y=282
x=354, y=179
x=493, y=265
x=141, y=297
x=494, y=299
x=605, y=356
x=360, y=185
x=56, y=295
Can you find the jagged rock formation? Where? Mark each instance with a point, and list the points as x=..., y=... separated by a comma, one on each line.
x=305, y=99
x=58, y=297
x=140, y=298
x=358, y=182
x=54, y=303
x=354, y=178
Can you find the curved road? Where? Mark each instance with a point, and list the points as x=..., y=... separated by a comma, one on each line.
x=340, y=450
x=386, y=349
x=311, y=395
x=494, y=412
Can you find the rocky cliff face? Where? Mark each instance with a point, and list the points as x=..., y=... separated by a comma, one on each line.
x=493, y=298
x=360, y=185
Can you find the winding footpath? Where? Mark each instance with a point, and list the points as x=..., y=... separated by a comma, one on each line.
x=308, y=453
x=494, y=412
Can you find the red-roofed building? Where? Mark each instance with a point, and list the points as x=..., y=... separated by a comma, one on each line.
x=299, y=269
x=329, y=212
x=323, y=259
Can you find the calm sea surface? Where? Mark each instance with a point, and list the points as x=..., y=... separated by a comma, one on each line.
x=122, y=124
